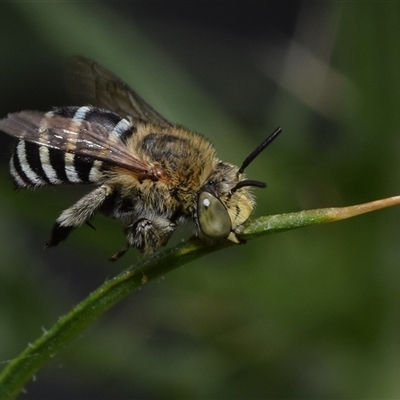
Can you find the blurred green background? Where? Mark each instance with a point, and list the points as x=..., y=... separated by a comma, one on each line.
x=312, y=313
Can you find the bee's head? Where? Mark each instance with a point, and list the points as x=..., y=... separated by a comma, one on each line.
x=225, y=201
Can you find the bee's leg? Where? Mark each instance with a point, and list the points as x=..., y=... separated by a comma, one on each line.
x=78, y=214
x=147, y=235
x=120, y=253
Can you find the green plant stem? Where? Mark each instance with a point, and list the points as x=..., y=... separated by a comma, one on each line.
x=23, y=367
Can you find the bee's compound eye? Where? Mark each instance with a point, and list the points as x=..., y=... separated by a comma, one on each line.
x=213, y=217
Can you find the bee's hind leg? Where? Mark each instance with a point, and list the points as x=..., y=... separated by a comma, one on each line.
x=78, y=214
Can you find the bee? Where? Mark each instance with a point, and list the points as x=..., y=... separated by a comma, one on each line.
x=150, y=173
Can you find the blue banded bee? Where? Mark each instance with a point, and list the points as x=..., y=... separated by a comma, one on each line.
x=150, y=173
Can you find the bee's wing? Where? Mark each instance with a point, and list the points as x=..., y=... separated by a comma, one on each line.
x=90, y=83
x=84, y=138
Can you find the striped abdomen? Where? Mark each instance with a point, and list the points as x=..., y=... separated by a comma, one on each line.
x=34, y=165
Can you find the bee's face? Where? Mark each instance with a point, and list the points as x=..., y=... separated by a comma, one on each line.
x=220, y=208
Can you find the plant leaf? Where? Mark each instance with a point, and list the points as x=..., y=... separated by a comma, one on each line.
x=23, y=367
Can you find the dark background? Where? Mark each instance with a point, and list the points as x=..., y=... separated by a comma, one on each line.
x=312, y=313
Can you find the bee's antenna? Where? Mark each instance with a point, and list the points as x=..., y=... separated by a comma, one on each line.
x=248, y=182
x=258, y=150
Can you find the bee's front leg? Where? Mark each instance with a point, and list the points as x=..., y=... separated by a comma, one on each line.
x=147, y=235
